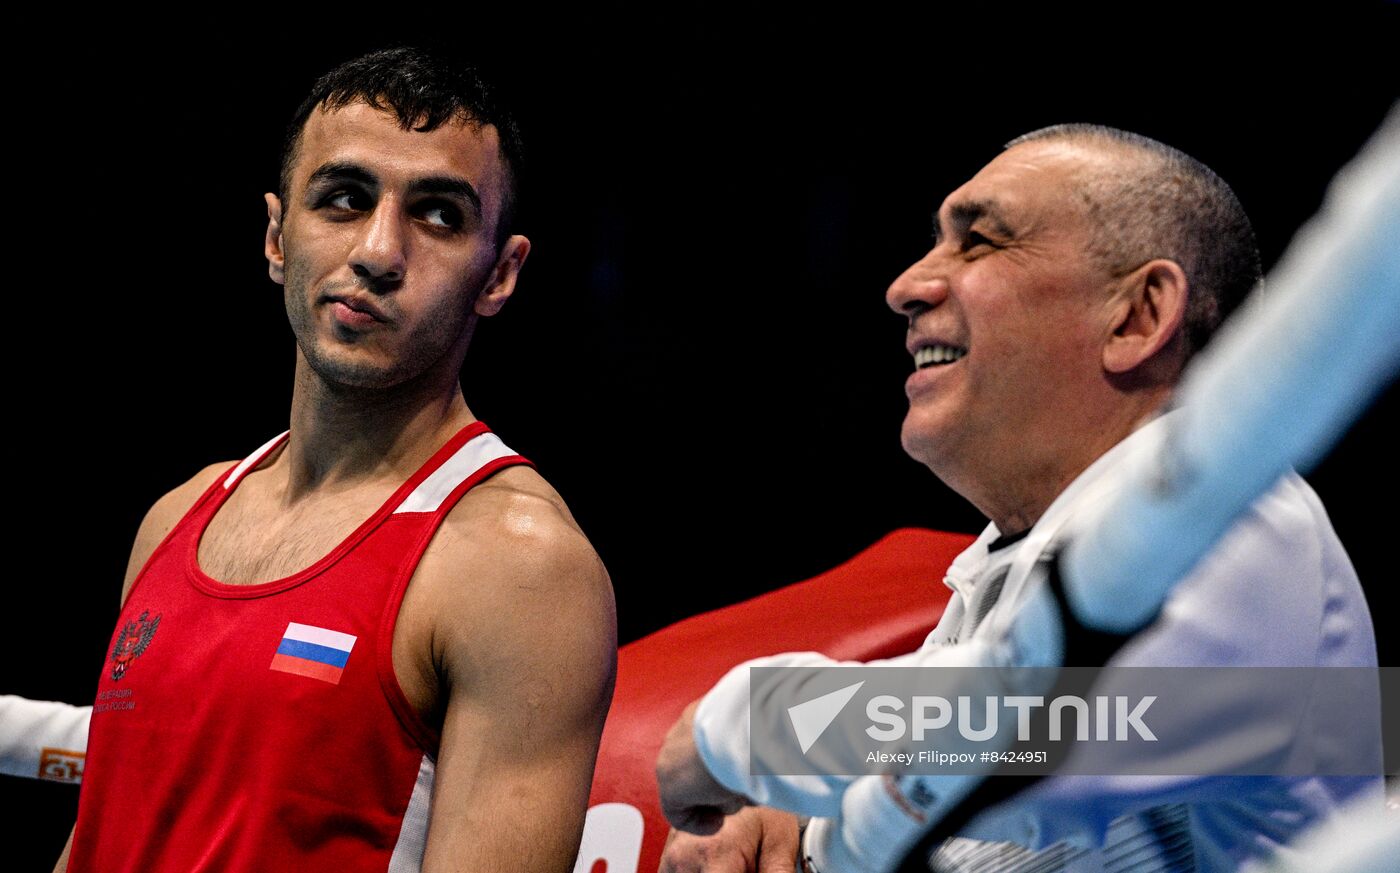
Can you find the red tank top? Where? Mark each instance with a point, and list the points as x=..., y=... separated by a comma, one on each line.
x=261, y=727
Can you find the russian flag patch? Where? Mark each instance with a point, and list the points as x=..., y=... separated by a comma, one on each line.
x=312, y=651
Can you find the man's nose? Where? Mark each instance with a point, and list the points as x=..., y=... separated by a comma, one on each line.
x=918, y=289
x=379, y=254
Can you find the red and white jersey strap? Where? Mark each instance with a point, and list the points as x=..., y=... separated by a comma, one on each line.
x=252, y=460
x=478, y=457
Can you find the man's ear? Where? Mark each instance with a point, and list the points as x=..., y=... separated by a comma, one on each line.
x=1147, y=315
x=272, y=243
x=502, y=282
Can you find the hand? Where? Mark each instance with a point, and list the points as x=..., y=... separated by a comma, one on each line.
x=691, y=799
x=756, y=839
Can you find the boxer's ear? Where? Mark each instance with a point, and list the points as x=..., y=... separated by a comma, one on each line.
x=501, y=285
x=272, y=243
x=1146, y=316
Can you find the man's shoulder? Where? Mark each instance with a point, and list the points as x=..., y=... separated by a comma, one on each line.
x=513, y=529
x=1276, y=590
x=507, y=568
x=1290, y=517
x=171, y=506
x=1294, y=499
x=513, y=508
x=164, y=514
x=1285, y=541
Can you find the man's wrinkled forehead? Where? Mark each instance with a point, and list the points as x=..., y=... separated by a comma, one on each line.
x=1020, y=186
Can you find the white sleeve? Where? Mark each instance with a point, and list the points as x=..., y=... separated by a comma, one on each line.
x=28, y=727
x=724, y=720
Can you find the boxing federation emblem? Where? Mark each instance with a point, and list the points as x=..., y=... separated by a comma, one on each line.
x=132, y=641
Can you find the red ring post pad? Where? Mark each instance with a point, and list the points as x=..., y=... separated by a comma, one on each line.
x=882, y=602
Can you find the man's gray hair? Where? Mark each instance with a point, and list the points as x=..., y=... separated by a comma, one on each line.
x=1167, y=204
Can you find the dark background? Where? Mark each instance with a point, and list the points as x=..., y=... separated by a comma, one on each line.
x=698, y=357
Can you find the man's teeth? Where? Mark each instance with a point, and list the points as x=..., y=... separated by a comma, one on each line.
x=937, y=354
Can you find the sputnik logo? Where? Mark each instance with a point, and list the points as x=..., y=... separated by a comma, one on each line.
x=811, y=719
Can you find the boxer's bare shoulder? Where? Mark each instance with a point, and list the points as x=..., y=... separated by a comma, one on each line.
x=509, y=569
x=507, y=641
x=163, y=515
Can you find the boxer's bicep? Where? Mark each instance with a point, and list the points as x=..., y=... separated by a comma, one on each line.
x=529, y=677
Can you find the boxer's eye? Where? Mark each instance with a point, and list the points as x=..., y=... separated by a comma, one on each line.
x=441, y=214
x=348, y=200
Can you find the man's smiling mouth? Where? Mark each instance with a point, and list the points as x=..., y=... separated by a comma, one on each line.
x=936, y=355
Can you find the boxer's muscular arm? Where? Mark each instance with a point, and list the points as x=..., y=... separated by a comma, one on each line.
x=160, y=518
x=524, y=644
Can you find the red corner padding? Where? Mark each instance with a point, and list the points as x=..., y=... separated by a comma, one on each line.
x=882, y=602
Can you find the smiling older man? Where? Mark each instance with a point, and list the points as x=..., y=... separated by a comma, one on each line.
x=1071, y=280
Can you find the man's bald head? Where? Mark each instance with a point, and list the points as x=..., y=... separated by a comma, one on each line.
x=1153, y=201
